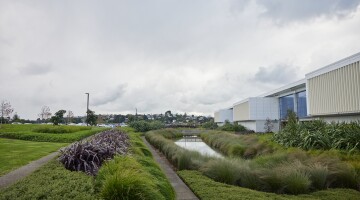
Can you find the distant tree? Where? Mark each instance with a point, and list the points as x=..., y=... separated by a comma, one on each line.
x=130, y=118
x=145, y=117
x=77, y=120
x=210, y=125
x=16, y=118
x=5, y=110
x=91, y=118
x=268, y=126
x=119, y=118
x=69, y=116
x=58, y=117
x=44, y=113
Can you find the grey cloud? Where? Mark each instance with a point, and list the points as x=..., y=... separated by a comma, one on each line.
x=294, y=10
x=110, y=95
x=278, y=74
x=36, y=69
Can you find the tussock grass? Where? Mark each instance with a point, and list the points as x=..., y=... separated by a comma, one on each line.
x=206, y=188
x=277, y=170
x=224, y=171
x=245, y=146
x=125, y=178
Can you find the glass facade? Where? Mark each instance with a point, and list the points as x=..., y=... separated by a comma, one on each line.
x=301, y=104
x=286, y=103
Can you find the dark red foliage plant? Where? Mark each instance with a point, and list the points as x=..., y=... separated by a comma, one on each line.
x=89, y=155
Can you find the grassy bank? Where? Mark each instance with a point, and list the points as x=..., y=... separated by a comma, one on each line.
x=136, y=176
x=16, y=153
x=47, y=133
x=269, y=168
x=207, y=189
x=245, y=146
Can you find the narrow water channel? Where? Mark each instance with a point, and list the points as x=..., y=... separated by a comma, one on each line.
x=194, y=143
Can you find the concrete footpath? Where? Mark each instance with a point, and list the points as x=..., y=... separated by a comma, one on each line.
x=13, y=176
x=181, y=189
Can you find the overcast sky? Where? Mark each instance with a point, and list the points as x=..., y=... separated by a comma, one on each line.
x=193, y=56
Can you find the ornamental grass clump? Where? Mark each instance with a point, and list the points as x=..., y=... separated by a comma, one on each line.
x=222, y=170
x=88, y=156
x=124, y=178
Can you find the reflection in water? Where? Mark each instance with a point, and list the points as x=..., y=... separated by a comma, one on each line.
x=196, y=144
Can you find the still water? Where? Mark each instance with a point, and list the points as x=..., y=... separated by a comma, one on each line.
x=196, y=144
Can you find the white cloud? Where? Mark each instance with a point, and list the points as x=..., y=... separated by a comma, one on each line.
x=182, y=56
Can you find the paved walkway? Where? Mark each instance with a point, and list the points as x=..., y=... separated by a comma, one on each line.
x=181, y=189
x=23, y=171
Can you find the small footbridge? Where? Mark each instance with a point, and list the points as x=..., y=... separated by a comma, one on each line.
x=191, y=135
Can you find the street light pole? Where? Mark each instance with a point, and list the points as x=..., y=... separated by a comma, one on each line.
x=87, y=107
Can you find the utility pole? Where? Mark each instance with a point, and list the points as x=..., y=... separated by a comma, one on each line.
x=136, y=114
x=87, y=111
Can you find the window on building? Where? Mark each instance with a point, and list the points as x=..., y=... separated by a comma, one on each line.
x=286, y=103
x=301, y=104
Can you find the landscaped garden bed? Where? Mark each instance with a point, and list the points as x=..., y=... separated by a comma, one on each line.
x=256, y=163
x=130, y=174
x=22, y=143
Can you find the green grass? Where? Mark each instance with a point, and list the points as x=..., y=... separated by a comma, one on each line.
x=245, y=146
x=135, y=176
x=28, y=132
x=16, y=153
x=274, y=169
x=52, y=181
x=207, y=189
x=143, y=156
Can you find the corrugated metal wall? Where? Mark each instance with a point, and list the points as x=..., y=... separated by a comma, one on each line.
x=334, y=92
x=241, y=111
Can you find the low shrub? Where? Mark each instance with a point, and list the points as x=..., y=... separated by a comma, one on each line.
x=60, y=129
x=210, y=125
x=88, y=156
x=235, y=127
x=317, y=134
x=144, y=126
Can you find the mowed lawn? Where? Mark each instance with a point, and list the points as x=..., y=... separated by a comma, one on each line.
x=16, y=153
x=47, y=133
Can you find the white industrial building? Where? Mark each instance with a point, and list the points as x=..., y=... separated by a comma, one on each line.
x=224, y=115
x=331, y=93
